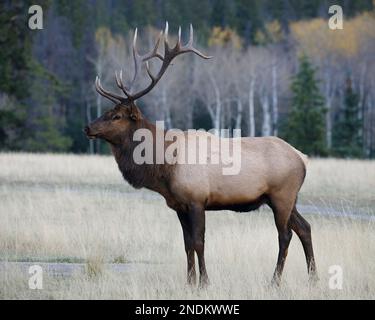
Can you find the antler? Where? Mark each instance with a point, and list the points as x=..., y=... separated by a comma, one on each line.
x=169, y=55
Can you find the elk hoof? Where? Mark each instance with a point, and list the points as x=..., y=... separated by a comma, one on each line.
x=276, y=281
x=203, y=283
x=313, y=278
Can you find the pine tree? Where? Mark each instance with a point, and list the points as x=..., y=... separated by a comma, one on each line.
x=347, y=140
x=15, y=43
x=305, y=127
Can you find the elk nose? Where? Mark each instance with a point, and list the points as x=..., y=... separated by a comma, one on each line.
x=86, y=129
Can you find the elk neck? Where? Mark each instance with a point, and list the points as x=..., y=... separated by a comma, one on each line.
x=153, y=176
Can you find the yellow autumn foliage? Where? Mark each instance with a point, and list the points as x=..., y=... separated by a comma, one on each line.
x=273, y=33
x=315, y=37
x=103, y=37
x=105, y=40
x=224, y=37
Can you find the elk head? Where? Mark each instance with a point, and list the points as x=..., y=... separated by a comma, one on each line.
x=115, y=123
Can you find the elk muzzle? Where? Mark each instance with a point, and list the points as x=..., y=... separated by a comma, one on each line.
x=89, y=133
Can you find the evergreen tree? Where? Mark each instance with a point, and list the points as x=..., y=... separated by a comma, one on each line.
x=347, y=140
x=45, y=122
x=305, y=127
x=15, y=53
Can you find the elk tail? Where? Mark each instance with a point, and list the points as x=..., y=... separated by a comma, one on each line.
x=303, y=156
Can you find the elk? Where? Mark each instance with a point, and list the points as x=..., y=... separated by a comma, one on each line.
x=271, y=172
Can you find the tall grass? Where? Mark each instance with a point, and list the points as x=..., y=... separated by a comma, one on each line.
x=69, y=208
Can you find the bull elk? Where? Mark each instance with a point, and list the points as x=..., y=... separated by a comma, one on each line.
x=271, y=171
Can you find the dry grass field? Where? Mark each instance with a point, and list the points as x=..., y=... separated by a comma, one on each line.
x=77, y=210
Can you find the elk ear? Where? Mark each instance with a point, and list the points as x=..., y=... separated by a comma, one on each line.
x=134, y=113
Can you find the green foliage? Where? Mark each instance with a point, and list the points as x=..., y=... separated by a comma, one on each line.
x=305, y=127
x=77, y=12
x=347, y=139
x=15, y=49
x=47, y=137
x=12, y=124
x=46, y=128
x=15, y=52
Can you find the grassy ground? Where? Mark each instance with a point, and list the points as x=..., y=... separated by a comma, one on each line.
x=77, y=209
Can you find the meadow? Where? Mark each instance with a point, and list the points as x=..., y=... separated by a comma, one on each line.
x=126, y=244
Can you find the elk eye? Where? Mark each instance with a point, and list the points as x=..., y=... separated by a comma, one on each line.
x=116, y=117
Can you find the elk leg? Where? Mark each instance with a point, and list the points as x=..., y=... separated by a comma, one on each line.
x=285, y=235
x=282, y=212
x=303, y=230
x=189, y=246
x=199, y=224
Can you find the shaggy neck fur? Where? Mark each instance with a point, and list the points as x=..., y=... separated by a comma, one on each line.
x=155, y=177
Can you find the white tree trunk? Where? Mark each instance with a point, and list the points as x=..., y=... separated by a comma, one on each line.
x=328, y=98
x=239, y=114
x=218, y=106
x=251, y=108
x=165, y=107
x=217, y=114
x=168, y=119
x=275, y=111
x=266, y=126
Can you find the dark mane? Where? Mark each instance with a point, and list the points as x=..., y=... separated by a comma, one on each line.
x=152, y=176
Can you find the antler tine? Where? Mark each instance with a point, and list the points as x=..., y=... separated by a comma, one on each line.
x=135, y=41
x=135, y=57
x=189, y=46
x=153, y=79
x=154, y=52
x=117, y=79
x=109, y=95
x=120, y=84
x=166, y=44
x=178, y=44
x=191, y=35
x=138, y=59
